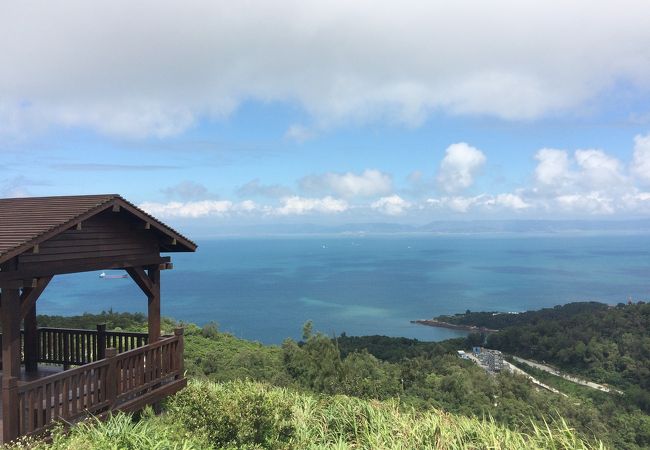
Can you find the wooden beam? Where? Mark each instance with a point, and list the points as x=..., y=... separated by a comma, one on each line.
x=16, y=284
x=36, y=249
x=141, y=279
x=79, y=227
x=31, y=294
x=116, y=208
x=165, y=266
x=38, y=270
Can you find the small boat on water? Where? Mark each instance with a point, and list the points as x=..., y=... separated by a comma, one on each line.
x=103, y=276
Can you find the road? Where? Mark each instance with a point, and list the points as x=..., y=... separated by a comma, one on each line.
x=516, y=370
x=557, y=373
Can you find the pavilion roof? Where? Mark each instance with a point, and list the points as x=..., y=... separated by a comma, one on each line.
x=26, y=222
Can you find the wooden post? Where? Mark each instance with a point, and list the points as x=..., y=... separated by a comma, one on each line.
x=101, y=342
x=31, y=339
x=180, y=363
x=10, y=320
x=112, y=377
x=154, y=305
x=10, y=411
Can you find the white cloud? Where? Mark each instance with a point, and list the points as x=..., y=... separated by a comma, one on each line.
x=509, y=201
x=583, y=183
x=368, y=183
x=459, y=167
x=641, y=159
x=485, y=202
x=456, y=204
x=300, y=205
x=344, y=62
x=392, y=205
x=594, y=170
x=190, y=209
x=599, y=170
x=553, y=167
x=590, y=203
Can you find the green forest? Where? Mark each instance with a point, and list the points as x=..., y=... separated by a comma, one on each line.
x=609, y=344
x=428, y=376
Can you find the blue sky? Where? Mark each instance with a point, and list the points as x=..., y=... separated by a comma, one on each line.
x=221, y=114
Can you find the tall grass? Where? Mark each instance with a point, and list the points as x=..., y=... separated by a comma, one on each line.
x=244, y=413
x=248, y=415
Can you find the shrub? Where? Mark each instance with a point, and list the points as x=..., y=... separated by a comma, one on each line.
x=235, y=414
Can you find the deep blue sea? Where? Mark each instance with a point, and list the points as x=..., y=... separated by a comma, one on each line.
x=266, y=288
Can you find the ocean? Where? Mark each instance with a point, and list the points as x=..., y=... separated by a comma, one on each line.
x=265, y=289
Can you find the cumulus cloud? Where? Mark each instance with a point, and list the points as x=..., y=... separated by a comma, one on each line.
x=459, y=167
x=509, y=201
x=590, y=203
x=599, y=170
x=485, y=202
x=366, y=184
x=296, y=205
x=392, y=205
x=581, y=183
x=641, y=158
x=340, y=61
x=552, y=167
x=589, y=169
x=192, y=209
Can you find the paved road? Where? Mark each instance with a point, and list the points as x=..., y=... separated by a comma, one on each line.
x=516, y=370
x=556, y=372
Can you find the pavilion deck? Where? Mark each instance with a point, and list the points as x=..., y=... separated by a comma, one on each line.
x=90, y=372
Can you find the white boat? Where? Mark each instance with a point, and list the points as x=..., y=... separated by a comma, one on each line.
x=103, y=276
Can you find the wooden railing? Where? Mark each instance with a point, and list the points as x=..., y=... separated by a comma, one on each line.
x=76, y=347
x=120, y=381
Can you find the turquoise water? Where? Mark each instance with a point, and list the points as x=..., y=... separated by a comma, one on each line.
x=265, y=289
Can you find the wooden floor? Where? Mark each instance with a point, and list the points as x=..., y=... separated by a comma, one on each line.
x=44, y=370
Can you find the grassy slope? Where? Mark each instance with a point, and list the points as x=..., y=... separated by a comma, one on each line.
x=245, y=414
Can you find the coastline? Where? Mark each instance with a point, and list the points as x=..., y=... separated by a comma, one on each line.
x=453, y=326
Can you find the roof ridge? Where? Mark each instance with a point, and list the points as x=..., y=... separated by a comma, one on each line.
x=61, y=196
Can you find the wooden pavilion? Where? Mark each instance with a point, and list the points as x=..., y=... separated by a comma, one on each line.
x=89, y=371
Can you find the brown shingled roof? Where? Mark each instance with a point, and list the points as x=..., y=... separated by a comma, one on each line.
x=25, y=222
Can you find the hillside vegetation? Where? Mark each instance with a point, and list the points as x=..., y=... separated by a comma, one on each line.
x=607, y=344
x=424, y=376
x=251, y=415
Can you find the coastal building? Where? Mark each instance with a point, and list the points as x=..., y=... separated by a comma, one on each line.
x=490, y=360
x=54, y=375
